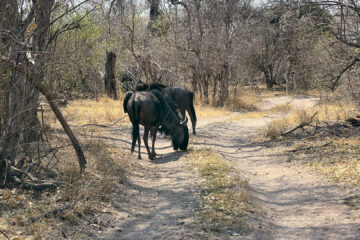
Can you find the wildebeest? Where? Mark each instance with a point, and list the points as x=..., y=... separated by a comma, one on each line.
x=151, y=109
x=182, y=97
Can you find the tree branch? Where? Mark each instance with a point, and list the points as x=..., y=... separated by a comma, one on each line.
x=301, y=125
x=338, y=77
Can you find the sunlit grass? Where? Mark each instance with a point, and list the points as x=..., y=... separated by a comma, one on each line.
x=104, y=111
x=89, y=111
x=329, y=112
x=205, y=111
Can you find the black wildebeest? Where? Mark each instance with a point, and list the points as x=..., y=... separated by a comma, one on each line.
x=151, y=109
x=182, y=96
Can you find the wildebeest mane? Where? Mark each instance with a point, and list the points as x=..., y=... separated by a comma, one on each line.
x=157, y=86
x=171, y=112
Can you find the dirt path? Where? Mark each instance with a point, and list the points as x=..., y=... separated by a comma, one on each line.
x=298, y=202
x=158, y=200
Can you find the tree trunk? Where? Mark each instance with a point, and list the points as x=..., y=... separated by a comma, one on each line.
x=10, y=95
x=110, y=83
x=215, y=87
x=205, y=88
x=42, y=12
x=269, y=78
x=154, y=15
x=60, y=117
x=224, y=85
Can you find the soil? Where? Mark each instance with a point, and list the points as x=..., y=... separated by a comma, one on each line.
x=158, y=202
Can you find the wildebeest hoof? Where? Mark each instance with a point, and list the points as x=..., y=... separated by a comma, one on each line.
x=139, y=157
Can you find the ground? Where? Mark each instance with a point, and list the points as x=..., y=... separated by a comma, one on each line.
x=298, y=202
x=159, y=199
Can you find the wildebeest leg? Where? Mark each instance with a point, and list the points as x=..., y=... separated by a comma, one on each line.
x=153, y=132
x=146, y=138
x=139, y=141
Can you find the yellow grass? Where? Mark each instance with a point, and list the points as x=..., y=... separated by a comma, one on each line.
x=330, y=112
x=89, y=111
x=104, y=111
x=204, y=111
x=244, y=101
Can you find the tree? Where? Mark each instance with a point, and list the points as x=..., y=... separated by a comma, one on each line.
x=23, y=45
x=110, y=83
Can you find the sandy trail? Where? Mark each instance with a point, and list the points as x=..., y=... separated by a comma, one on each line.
x=298, y=202
x=159, y=204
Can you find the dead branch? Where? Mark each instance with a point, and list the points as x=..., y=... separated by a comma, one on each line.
x=301, y=125
x=99, y=125
x=29, y=175
x=33, y=185
x=311, y=147
x=60, y=117
x=3, y=233
x=338, y=77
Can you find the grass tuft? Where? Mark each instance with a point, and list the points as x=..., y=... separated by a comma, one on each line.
x=225, y=199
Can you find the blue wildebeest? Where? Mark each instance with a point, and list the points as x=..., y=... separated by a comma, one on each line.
x=183, y=97
x=151, y=109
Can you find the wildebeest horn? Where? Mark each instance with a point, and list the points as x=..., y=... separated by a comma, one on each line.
x=182, y=122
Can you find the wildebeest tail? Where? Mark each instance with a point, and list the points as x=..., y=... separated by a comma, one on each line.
x=192, y=109
x=135, y=122
x=126, y=99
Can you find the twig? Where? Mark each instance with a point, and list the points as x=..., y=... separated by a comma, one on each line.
x=3, y=233
x=301, y=125
x=99, y=125
x=307, y=148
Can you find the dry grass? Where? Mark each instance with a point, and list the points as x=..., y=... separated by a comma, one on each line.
x=339, y=160
x=204, y=111
x=244, y=101
x=85, y=111
x=25, y=214
x=225, y=200
x=328, y=112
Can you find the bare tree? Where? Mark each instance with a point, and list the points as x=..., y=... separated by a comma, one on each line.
x=110, y=83
x=23, y=43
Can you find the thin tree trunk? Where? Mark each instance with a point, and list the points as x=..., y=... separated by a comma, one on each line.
x=110, y=83
x=215, y=87
x=224, y=85
x=64, y=124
